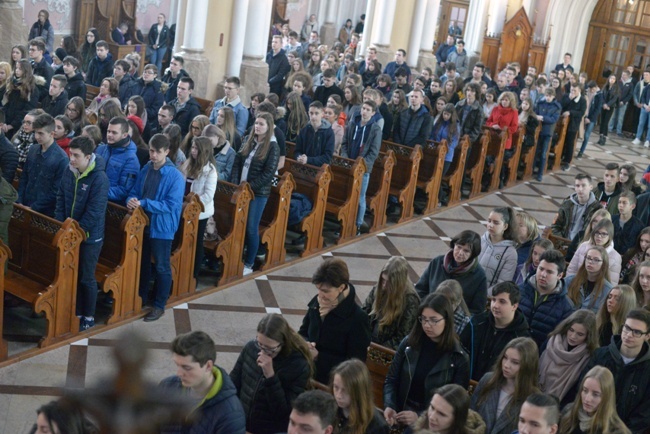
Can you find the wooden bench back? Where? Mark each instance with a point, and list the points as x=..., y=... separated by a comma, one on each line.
x=475, y=163
x=379, y=188
x=430, y=173
x=206, y=105
x=91, y=93
x=560, y=129
x=405, y=175
x=378, y=362
x=496, y=148
x=5, y=254
x=184, y=250
x=527, y=156
x=454, y=176
x=273, y=226
x=121, y=228
x=513, y=162
x=343, y=200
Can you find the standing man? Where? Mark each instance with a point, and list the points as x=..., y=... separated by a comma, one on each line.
x=40, y=66
x=233, y=101
x=125, y=80
x=609, y=189
x=315, y=142
x=173, y=75
x=595, y=98
x=548, y=112
x=278, y=66
x=158, y=39
x=412, y=126
x=574, y=107
x=165, y=117
x=627, y=92
x=642, y=101
x=187, y=108
x=566, y=65
x=83, y=196
x=311, y=25
x=400, y=61
x=442, y=53
x=460, y=58
x=159, y=190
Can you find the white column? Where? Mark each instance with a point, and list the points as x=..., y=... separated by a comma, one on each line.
x=322, y=12
x=367, y=28
x=180, y=24
x=497, y=16
x=474, y=32
x=195, y=25
x=383, y=26
x=429, y=32
x=259, y=17
x=237, y=37
x=417, y=26
x=332, y=9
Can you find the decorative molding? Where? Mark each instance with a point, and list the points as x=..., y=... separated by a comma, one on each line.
x=144, y=4
x=61, y=7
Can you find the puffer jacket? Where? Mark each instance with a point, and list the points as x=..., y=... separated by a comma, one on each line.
x=267, y=401
x=543, y=313
x=204, y=186
x=364, y=141
x=451, y=367
x=498, y=260
x=550, y=111
x=317, y=145
x=41, y=177
x=152, y=94
x=474, y=424
x=122, y=168
x=392, y=335
x=579, y=259
x=260, y=173
x=412, y=128
x=472, y=123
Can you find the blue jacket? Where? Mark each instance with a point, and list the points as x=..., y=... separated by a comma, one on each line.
x=164, y=211
x=588, y=301
x=410, y=129
x=543, y=313
x=317, y=145
x=551, y=112
x=152, y=96
x=84, y=198
x=122, y=168
x=595, y=107
x=241, y=113
x=225, y=159
x=391, y=68
x=441, y=131
x=39, y=182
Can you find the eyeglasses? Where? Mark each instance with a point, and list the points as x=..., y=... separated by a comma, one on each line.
x=149, y=72
x=267, y=350
x=593, y=260
x=633, y=332
x=601, y=234
x=432, y=321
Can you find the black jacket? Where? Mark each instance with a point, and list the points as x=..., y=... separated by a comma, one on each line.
x=576, y=109
x=16, y=108
x=412, y=128
x=484, y=341
x=260, y=173
x=153, y=35
x=43, y=69
x=173, y=83
x=267, y=401
x=126, y=88
x=56, y=106
x=153, y=98
x=76, y=87
x=322, y=93
x=278, y=69
x=343, y=334
x=183, y=117
x=472, y=123
x=8, y=158
x=625, y=237
x=317, y=145
x=99, y=70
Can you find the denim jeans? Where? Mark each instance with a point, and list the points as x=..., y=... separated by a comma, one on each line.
x=199, y=253
x=644, y=124
x=540, y=155
x=160, y=251
x=252, y=243
x=156, y=57
x=86, y=283
x=616, y=124
x=362, y=199
x=588, y=129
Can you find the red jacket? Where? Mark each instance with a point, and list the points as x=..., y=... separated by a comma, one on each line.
x=64, y=143
x=504, y=117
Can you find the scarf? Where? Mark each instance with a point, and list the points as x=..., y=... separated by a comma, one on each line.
x=559, y=368
x=585, y=420
x=453, y=268
x=325, y=307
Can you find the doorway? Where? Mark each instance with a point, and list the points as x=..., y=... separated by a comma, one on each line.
x=451, y=10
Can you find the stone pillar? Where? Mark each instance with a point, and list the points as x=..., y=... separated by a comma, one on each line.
x=382, y=30
x=417, y=26
x=237, y=37
x=12, y=29
x=367, y=28
x=474, y=33
x=497, y=16
x=329, y=31
x=180, y=25
x=426, y=56
x=196, y=64
x=254, y=71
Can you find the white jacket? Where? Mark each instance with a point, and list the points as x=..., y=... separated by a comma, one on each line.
x=579, y=258
x=205, y=186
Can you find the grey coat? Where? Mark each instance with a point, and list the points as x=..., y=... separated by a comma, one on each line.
x=506, y=422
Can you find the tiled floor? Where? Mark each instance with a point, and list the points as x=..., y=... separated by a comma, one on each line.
x=230, y=316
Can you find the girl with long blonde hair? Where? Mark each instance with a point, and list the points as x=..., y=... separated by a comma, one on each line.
x=589, y=287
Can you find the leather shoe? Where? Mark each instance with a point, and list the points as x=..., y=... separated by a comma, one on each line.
x=154, y=315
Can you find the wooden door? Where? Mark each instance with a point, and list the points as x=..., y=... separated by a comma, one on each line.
x=451, y=10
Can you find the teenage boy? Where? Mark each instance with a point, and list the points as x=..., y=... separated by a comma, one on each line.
x=627, y=90
x=488, y=332
x=470, y=113
x=400, y=81
x=400, y=61
x=412, y=126
x=548, y=112
x=642, y=101
x=315, y=142
x=279, y=66
x=165, y=117
x=544, y=297
x=328, y=88
x=434, y=91
x=232, y=100
x=595, y=99
x=83, y=195
x=76, y=85
x=173, y=75
x=218, y=410
x=574, y=107
x=577, y=209
x=628, y=358
x=187, y=108
x=608, y=190
x=540, y=414
x=314, y=412
x=159, y=190
x=626, y=225
x=459, y=57
x=566, y=65
x=55, y=103
x=40, y=66
x=121, y=74
x=42, y=172
x=101, y=66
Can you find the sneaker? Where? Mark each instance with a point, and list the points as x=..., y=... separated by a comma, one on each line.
x=85, y=324
x=539, y=177
x=566, y=167
x=579, y=156
x=646, y=144
x=248, y=270
x=154, y=315
x=636, y=142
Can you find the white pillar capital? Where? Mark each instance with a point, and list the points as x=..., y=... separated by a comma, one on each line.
x=257, y=23
x=417, y=27
x=383, y=25
x=196, y=22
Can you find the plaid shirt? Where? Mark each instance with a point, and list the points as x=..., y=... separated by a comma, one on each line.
x=460, y=320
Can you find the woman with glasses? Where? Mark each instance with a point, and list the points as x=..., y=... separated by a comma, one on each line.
x=271, y=371
x=602, y=235
x=611, y=315
x=585, y=233
x=428, y=358
x=641, y=283
x=565, y=354
x=75, y=111
x=588, y=288
x=196, y=128
x=150, y=90
x=89, y=48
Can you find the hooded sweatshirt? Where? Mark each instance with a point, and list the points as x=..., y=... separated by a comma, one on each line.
x=499, y=260
x=362, y=140
x=572, y=216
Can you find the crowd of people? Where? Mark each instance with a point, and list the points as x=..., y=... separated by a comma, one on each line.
x=561, y=348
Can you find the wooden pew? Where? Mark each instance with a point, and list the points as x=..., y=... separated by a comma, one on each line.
x=379, y=188
x=230, y=215
x=454, y=177
x=343, y=197
x=184, y=249
x=118, y=269
x=430, y=173
x=475, y=163
x=273, y=226
x=405, y=175
x=91, y=93
x=206, y=105
x=496, y=148
x=560, y=129
x=527, y=157
x=5, y=254
x=314, y=183
x=44, y=268
x=513, y=163
x=378, y=362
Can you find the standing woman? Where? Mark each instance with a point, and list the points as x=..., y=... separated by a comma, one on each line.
x=345, y=34
x=588, y=288
x=594, y=410
x=44, y=29
x=296, y=116
x=498, y=247
x=351, y=102
x=21, y=97
x=602, y=235
x=158, y=40
x=641, y=284
x=201, y=178
x=428, y=358
x=270, y=372
x=528, y=118
x=505, y=115
x=351, y=386
x=256, y=163
x=446, y=127
x=611, y=316
x=501, y=393
x=568, y=349
x=611, y=93
x=392, y=304
x=634, y=256
x=89, y=48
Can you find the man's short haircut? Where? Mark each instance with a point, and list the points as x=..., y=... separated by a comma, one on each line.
x=553, y=256
x=450, y=66
x=576, y=85
x=72, y=61
x=460, y=41
x=293, y=34
x=581, y=176
x=507, y=287
x=468, y=238
x=403, y=51
x=480, y=65
x=179, y=59
x=515, y=65
x=152, y=67
x=121, y=121
x=277, y=37
x=329, y=73
x=370, y=103
x=436, y=80
x=316, y=104
x=629, y=195
x=612, y=166
x=187, y=80
x=568, y=54
x=233, y=80
x=84, y=144
x=266, y=107
x=45, y=122
x=169, y=108
x=197, y=344
x=102, y=44
x=512, y=69
x=126, y=66
x=549, y=403
x=640, y=315
x=318, y=403
x=401, y=72
x=541, y=81
x=591, y=84
x=38, y=43
x=61, y=78
x=549, y=91
x=159, y=142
